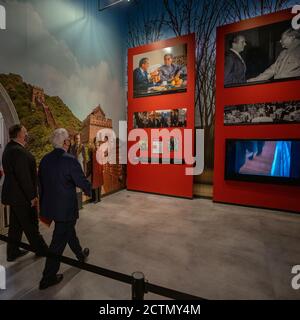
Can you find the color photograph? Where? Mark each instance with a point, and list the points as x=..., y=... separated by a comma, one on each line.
x=160, y=71
x=174, y=118
x=157, y=146
x=173, y=144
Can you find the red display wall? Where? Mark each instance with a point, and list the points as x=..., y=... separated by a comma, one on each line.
x=167, y=179
x=277, y=196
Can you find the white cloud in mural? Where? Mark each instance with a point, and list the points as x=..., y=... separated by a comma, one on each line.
x=47, y=62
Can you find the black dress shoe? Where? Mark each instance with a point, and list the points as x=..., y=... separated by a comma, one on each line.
x=20, y=254
x=85, y=254
x=44, y=284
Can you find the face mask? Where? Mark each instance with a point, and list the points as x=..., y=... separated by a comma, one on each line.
x=26, y=139
x=67, y=143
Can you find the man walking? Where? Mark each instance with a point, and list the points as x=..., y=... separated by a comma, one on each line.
x=20, y=193
x=59, y=175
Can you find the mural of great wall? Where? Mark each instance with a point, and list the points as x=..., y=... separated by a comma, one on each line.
x=38, y=99
x=41, y=114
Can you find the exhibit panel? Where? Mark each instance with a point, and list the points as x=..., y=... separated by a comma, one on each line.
x=258, y=165
x=161, y=99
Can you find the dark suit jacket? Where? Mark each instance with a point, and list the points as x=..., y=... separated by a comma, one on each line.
x=59, y=175
x=74, y=151
x=235, y=69
x=20, y=182
x=140, y=81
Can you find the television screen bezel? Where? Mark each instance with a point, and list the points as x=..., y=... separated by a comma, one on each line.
x=257, y=178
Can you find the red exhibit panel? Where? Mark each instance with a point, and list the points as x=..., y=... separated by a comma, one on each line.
x=252, y=193
x=166, y=102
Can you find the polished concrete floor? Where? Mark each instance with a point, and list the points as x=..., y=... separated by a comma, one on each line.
x=215, y=251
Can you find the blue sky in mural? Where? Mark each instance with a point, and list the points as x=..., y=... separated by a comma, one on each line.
x=71, y=50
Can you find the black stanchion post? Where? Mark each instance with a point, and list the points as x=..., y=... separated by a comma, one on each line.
x=138, y=286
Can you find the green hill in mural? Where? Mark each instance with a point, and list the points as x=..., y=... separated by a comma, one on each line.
x=34, y=117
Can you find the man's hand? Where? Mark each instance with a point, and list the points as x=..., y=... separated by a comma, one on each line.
x=34, y=202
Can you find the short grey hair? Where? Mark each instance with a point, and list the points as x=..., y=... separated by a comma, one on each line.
x=58, y=137
x=292, y=33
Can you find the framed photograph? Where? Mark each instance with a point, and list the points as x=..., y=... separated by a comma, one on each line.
x=262, y=113
x=173, y=144
x=143, y=144
x=157, y=147
x=161, y=71
x=261, y=55
x=172, y=118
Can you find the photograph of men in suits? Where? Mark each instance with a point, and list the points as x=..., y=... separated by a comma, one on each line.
x=235, y=66
x=20, y=193
x=169, y=70
x=287, y=65
x=140, y=77
x=59, y=175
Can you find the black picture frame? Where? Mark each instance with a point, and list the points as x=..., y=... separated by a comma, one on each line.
x=270, y=113
x=262, y=50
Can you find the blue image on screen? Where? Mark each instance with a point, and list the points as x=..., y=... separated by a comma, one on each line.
x=281, y=166
x=269, y=161
x=269, y=158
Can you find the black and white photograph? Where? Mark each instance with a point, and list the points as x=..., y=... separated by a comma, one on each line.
x=261, y=55
x=262, y=113
x=174, y=118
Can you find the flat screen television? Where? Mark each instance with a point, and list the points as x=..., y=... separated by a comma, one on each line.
x=270, y=161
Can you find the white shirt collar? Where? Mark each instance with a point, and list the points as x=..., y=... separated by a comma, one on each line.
x=19, y=143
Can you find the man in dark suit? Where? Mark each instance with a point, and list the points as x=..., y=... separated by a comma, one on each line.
x=20, y=193
x=235, y=66
x=59, y=175
x=140, y=77
x=78, y=151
